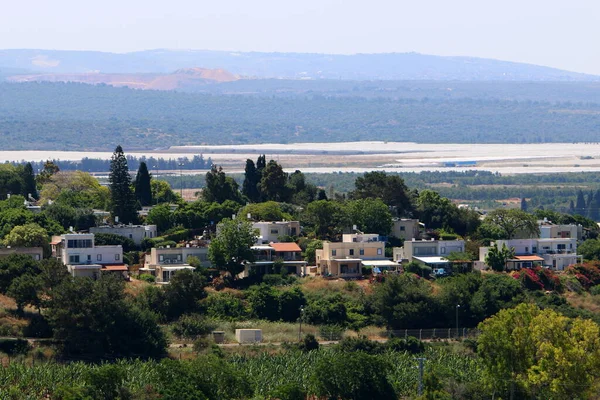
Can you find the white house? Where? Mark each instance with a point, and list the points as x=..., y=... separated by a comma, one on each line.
x=271, y=231
x=432, y=252
x=83, y=259
x=407, y=228
x=555, y=253
x=137, y=233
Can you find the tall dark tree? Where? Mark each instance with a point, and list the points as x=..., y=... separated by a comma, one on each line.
x=143, y=189
x=261, y=163
x=251, y=181
x=29, y=187
x=580, y=203
x=122, y=197
x=523, y=204
x=220, y=187
x=389, y=188
x=273, y=183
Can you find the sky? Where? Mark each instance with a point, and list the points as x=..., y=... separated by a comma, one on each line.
x=561, y=34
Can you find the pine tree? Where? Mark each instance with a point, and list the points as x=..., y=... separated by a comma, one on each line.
x=29, y=188
x=143, y=190
x=523, y=204
x=251, y=181
x=122, y=197
x=580, y=204
x=571, y=207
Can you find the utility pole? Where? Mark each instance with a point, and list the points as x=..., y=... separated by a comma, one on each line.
x=457, y=307
x=300, y=327
x=421, y=368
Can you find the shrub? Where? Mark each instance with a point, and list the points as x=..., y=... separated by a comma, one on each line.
x=13, y=347
x=201, y=344
x=288, y=391
x=331, y=332
x=147, y=278
x=410, y=344
x=595, y=290
x=361, y=343
x=225, y=306
x=309, y=343
x=192, y=326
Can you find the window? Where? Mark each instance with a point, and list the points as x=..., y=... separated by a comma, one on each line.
x=36, y=257
x=178, y=257
x=117, y=257
x=561, y=246
x=534, y=250
x=130, y=236
x=274, y=231
x=89, y=258
x=74, y=259
x=379, y=252
x=351, y=252
x=361, y=252
x=333, y=253
x=161, y=258
x=79, y=243
x=402, y=228
x=99, y=257
x=526, y=249
x=443, y=250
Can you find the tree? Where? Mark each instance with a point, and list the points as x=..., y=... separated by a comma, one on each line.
x=580, y=203
x=391, y=189
x=273, y=183
x=25, y=290
x=496, y=258
x=266, y=211
x=251, y=182
x=326, y=218
x=590, y=249
x=371, y=216
x=540, y=353
x=143, y=188
x=49, y=169
x=15, y=265
x=405, y=302
x=310, y=251
x=122, y=197
x=220, y=187
x=497, y=291
x=161, y=216
x=512, y=222
x=231, y=247
x=112, y=239
x=88, y=319
x=183, y=293
x=29, y=235
x=29, y=188
x=162, y=192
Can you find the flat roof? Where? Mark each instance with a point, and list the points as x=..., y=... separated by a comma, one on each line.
x=380, y=263
x=117, y=267
x=433, y=260
x=347, y=259
x=262, y=247
x=178, y=268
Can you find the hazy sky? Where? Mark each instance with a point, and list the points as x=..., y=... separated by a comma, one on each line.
x=562, y=34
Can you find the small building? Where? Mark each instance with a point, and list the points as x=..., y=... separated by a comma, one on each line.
x=37, y=253
x=548, y=230
x=419, y=250
x=407, y=228
x=271, y=231
x=137, y=233
x=164, y=262
x=83, y=259
x=345, y=259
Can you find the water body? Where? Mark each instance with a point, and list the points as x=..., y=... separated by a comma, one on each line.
x=369, y=156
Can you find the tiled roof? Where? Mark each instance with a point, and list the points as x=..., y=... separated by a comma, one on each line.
x=281, y=247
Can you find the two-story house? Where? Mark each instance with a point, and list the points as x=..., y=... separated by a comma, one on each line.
x=83, y=259
x=164, y=262
x=287, y=255
x=37, y=253
x=137, y=233
x=345, y=259
x=406, y=228
x=555, y=253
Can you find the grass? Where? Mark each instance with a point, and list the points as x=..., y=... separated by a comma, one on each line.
x=584, y=301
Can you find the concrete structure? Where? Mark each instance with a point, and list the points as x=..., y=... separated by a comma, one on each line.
x=271, y=231
x=163, y=262
x=137, y=233
x=418, y=250
x=37, y=253
x=248, y=335
x=554, y=253
x=406, y=228
x=549, y=230
x=266, y=256
x=345, y=259
x=83, y=259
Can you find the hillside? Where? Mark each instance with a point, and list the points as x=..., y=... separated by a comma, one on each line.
x=399, y=66
x=188, y=79
x=71, y=116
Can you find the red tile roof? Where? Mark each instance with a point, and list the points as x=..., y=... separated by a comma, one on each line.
x=281, y=247
x=116, y=267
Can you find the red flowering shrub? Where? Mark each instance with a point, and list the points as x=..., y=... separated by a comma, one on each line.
x=588, y=273
x=549, y=279
x=529, y=279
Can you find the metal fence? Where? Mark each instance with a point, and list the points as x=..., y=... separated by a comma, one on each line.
x=435, y=333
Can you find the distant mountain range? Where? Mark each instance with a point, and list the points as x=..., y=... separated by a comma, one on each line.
x=391, y=66
x=182, y=79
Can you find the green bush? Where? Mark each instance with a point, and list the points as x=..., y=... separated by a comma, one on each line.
x=192, y=326
x=410, y=344
x=595, y=290
x=201, y=344
x=147, y=278
x=309, y=343
x=361, y=343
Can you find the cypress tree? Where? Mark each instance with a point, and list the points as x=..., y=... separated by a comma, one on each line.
x=251, y=181
x=122, y=197
x=143, y=190
x=580, y=204
x=29, y=187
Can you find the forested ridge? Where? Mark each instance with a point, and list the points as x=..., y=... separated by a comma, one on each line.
x=58, y=116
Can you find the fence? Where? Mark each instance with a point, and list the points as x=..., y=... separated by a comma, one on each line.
x=435, y=333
